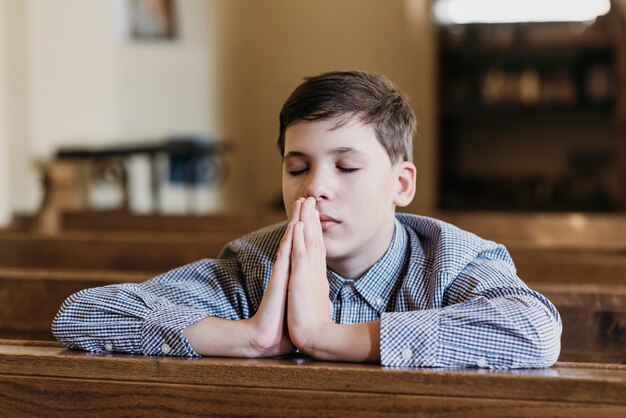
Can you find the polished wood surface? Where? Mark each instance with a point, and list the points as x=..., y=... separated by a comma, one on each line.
x=538, y=230
x=151, y=251
x=51, y=380
x=109, y=251
x=598, y=232
x=594, y=321
x=124, y=221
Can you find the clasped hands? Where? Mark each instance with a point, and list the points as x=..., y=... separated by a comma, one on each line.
x=296, y=309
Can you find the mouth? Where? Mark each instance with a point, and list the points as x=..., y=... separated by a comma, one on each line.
x=328, y=222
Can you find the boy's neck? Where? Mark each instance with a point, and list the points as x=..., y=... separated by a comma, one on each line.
x=356, y=265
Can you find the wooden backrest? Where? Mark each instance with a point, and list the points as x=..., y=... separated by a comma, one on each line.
x=38, y=379
x=127, y=251
x=545, y=230
x=30, y=298
x=123, y=221
x=538, y=230
x=156, y=252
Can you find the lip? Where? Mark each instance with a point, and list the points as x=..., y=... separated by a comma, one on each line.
x=328, y=222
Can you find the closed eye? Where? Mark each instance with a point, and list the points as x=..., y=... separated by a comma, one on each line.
x=347, y=169
x=296, y=172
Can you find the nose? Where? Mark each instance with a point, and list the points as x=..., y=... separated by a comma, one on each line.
x=317, y=185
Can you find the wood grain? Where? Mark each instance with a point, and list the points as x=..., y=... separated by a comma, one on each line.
x=57, y=397
x=135, y=252
x=35, y=379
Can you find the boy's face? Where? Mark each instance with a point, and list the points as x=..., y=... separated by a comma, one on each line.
x=355, y=185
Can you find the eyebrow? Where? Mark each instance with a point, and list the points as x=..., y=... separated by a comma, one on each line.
x=333, y=151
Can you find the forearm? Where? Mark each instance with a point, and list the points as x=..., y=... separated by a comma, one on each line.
x=353, y=342
x=219, y=337
x=504, y=332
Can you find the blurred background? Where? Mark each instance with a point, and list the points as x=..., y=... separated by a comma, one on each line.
x=172, y=106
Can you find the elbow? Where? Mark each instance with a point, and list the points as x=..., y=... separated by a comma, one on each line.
x=546, y=341
x=547, y=353
x=62, y=324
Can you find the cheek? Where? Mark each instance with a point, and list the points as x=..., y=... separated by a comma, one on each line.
x=290, y=194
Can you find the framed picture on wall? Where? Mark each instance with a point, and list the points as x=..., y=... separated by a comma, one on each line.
x=152, y=19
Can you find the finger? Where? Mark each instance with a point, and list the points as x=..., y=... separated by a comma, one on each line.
x=310, y=220
x=281, y=265
x=297, y=208
x=313, y=234
x=298, y=252
x=318, y=227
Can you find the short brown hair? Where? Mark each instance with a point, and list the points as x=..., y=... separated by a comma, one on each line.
x=343, y=95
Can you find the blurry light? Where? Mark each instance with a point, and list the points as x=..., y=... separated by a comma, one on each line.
x=451, y=12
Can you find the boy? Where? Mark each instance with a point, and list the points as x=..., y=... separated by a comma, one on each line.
x=346, y=278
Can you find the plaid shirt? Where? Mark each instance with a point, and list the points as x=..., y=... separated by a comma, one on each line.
x=445, y=298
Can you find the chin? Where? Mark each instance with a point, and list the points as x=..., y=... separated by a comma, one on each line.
x=335, y=250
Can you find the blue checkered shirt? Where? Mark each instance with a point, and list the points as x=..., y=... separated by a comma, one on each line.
x=445, y=298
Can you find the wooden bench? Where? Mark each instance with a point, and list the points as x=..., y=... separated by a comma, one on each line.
x=30, y=298
x=594, y=316
x=107, y=251
x=545, y=230
x=163, y=251
x=539, y=230
x=47, y=380
x=123, y=221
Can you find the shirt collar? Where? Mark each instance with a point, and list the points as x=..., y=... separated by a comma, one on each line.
x=376, y=285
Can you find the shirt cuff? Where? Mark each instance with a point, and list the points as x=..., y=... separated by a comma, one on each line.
x=162, y=331
x=409, y=339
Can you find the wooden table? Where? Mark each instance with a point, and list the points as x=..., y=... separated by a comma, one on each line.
x=47, y=380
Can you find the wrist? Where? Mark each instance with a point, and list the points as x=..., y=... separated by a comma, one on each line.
x=257, y=341
x=350, y=342
x=321, y=344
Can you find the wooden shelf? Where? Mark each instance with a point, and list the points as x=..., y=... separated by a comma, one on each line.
x=536, y=78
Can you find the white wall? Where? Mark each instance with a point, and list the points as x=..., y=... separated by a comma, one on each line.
x=76, y=81
x=276, y=43
x=16, y=172
x=5, y=203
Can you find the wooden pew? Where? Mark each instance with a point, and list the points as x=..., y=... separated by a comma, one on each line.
x=160, y=252
x=123, y=221
x=539, y=230
x=545, y=230
x=30, y=298
x=106, y=251
x=47, y=380
x=594, y=321
x=594, y=316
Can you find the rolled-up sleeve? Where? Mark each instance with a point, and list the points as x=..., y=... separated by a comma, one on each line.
x=489, y=318
x=149, y=318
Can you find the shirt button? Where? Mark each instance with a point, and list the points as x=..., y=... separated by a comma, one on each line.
x=165, y=349
x=380, y=302
x=108, y=347
x=407, y=353
x=349, y=289
x=481, y=362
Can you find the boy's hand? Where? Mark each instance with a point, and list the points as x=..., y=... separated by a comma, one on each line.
x=269, y=335
x=308, y=302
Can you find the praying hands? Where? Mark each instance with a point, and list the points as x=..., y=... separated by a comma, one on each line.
x=295, y=311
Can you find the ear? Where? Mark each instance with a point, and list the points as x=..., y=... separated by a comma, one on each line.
x=405, y=173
